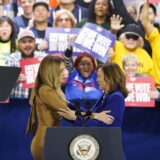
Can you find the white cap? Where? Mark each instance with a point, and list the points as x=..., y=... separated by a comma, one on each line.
x=25, y=33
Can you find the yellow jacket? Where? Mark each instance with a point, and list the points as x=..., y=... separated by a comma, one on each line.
x=145, y=61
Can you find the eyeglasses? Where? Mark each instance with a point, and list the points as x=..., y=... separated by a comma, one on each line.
x=132, y=36
x=85, y=64
x=64, y=19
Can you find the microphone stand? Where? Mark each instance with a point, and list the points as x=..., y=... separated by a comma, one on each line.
x=83, y=117
x=77, y=109
x=87, y=114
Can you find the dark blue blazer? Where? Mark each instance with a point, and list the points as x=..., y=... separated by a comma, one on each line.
x=115, y=102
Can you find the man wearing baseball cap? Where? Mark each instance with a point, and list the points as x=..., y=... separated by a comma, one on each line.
x=27, y=49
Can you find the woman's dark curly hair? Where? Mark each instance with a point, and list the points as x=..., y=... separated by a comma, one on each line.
x=91, y=11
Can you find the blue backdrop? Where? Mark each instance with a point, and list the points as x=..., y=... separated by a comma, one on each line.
x=141, y=132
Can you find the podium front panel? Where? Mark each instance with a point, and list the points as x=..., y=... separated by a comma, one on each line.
x=58, y=141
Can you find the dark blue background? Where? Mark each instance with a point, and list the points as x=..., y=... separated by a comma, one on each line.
x=141, y=132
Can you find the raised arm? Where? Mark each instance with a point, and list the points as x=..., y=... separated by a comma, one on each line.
x=122, y=11
x=68, y=58
x=147, y=25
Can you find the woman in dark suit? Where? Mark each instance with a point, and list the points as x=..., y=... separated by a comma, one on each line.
x=108, y=112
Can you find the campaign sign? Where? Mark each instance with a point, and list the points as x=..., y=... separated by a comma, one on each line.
x=138, y=88
x=29, y=69
x=95, y=40
x=58, y=39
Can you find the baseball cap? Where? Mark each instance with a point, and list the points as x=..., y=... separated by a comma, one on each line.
x=40, y=3
x=25, y=33
x=135, y=29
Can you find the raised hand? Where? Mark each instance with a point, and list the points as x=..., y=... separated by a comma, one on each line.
x=116, y=21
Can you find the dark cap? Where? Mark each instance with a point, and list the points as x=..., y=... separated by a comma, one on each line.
x=40, y=3
x=135, y=29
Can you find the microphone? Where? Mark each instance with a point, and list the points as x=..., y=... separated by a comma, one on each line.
x=88, y=107
x=77, y=109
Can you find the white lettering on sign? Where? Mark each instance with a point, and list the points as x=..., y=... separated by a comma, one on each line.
x=31, y=72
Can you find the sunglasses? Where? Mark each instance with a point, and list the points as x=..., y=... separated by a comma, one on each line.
x=132, y=36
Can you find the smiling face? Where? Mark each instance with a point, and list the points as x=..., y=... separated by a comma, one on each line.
x=101, y=8
x=85, y=67
x=130, y=42
x=5, y=31
x=130, y=68
x=27, y=46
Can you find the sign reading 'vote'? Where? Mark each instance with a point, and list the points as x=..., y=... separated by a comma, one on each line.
x=95, y=40
x=139, y=89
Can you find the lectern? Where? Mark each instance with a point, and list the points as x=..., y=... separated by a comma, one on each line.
x=8, y=79
x=83, y=143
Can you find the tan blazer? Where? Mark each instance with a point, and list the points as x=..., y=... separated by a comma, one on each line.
x=44, y=108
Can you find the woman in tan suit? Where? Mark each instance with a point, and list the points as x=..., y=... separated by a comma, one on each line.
x=46, y=100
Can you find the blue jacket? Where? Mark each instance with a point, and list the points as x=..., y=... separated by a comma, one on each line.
x=81, y=90
x=20, y=22
x=115, y=102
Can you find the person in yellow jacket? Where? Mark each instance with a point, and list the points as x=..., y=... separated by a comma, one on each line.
x=131, y=41
x=153, y=36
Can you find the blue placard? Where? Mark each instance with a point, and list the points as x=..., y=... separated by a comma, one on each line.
x=57, y=39
x=95, y=40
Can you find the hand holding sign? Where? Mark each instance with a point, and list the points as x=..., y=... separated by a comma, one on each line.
x=59, y=38
x=111, y=52
x=21, y=77
x=29, y=71
x=154, y=94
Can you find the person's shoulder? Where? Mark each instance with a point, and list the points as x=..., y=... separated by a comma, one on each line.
x=16, y=55
x=44, y=89
x=82, y=22
x=55, y=9
x=80, y=7
x=142, y=52
x=154, y=33
x=17, y=18
x=116, y=95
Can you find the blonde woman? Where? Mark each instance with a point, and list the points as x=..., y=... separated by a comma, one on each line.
x=64, y=18
x=46, y=100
